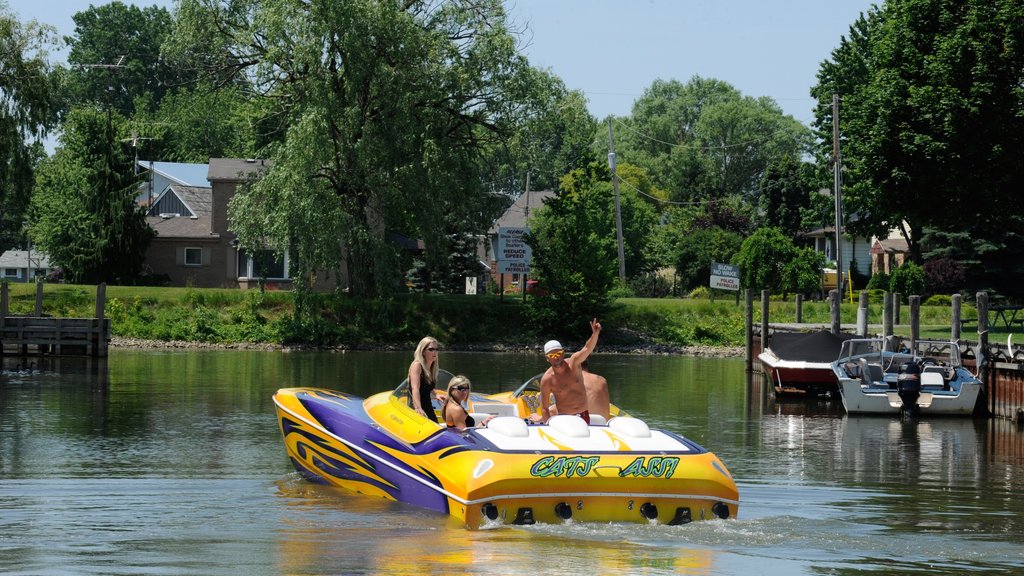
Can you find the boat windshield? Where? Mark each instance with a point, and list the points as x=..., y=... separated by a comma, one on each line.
x=942, y=352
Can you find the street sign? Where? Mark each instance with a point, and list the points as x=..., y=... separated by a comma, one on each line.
x=725, y=276
x=513, y=253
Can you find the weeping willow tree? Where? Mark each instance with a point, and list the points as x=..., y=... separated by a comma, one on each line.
x=391, y=109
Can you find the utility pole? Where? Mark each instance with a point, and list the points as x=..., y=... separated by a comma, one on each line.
x=526, y=220
x=618, y=209
x=837, y=184
x=135, y=144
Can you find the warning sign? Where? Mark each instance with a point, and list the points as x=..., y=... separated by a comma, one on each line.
x=513, y=254
x=725, y=276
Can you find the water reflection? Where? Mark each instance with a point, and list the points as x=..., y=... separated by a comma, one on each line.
x=170, y=462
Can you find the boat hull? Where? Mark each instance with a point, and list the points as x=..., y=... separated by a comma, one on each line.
x=859, y=399
x=379, y=447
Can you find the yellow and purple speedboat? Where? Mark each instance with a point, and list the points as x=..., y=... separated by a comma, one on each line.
x=511, y=471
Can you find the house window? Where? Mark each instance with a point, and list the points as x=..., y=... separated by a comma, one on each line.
x=12, y=272
x=193, y=256
x=263, y=264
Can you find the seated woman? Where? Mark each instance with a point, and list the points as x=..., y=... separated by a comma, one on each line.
x=455, y=415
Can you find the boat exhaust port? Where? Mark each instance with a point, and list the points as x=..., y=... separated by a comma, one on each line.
x=524, y=516
x=720, y=510
x=683, y=516
x=490, y=511
x=563, y=511
x=649, y=511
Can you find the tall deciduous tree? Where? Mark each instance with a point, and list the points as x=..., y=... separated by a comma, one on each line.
x=786, y=191
x=84, y=214
x=126, y=36
x=575, y=253
x=931, y=124
x=389, y=107
x=704, y=139
x=25, y=110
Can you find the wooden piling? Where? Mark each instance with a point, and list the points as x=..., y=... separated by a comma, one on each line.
x=982, y=356
x=834, y=311
x=897, y=299
x=799, y=308
x=887, y=315
x=862, y=315
x=954, y=330
x=765, y=303
x=749, y=325
x=915, y=321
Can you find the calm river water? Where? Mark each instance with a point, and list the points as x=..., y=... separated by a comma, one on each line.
x=172, y=463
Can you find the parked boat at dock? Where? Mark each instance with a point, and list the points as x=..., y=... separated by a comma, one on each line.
x=800, y=363
x=883, y=376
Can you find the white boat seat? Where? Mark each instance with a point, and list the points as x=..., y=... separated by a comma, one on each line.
x=495, y=408
x=572, y=426
x=597, y=420
x=871, y=373
x=509, y=426
x=628, y=426
x=931, y=379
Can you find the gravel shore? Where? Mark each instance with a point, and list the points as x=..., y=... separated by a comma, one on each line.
x=702, y=351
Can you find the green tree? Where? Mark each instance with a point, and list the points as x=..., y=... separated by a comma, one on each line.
x=83, y=212
x=196, y=123
x=763, y=258
x=125, y=36
x=786, y=190
x=697, y=249
x=704, y=139
x=26, y=95
x=930, y=125
x=907, y=280
x=389, y=109
x=802, y=274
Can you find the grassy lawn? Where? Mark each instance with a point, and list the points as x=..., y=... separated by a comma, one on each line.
x=231, y=315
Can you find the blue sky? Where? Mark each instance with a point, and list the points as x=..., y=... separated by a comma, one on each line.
x=614, y=49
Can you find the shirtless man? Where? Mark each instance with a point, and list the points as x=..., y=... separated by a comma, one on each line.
x=564, y=379
x=597, y=393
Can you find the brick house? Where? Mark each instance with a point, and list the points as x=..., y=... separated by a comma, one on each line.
x=194, y=246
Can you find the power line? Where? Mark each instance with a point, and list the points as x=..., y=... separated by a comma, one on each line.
x=699, y=147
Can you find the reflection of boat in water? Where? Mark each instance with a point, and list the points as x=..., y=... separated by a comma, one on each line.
x=508, y=471
x=800, y=363
x=875, y=377
x=947, y=451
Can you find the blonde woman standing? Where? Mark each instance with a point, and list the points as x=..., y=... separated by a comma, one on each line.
x=423, y=377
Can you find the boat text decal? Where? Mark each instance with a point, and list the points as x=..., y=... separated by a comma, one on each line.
x=656, y=466
x=569, y=466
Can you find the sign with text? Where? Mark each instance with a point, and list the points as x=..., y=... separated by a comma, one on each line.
x=513, y=252
x=725, y=276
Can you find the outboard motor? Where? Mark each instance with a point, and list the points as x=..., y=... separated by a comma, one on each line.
x=908, y=386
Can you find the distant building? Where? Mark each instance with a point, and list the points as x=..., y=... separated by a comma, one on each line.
x=194, y=246
x=23, y=265
x=517, y=215
x=165, y=174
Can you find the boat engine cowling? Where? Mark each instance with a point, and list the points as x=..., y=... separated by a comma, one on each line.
x=908, y=384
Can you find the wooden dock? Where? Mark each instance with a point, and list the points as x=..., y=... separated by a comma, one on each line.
x=39, y=334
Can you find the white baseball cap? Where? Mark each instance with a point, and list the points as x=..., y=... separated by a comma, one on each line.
x=552, y=345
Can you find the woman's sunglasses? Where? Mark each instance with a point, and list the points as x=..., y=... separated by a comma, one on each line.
x=460, y=388
x=431, y=349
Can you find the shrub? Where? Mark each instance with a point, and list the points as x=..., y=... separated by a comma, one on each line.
x=878, y=281
x=943, y=276
x=700, y=292
x=907, y=280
